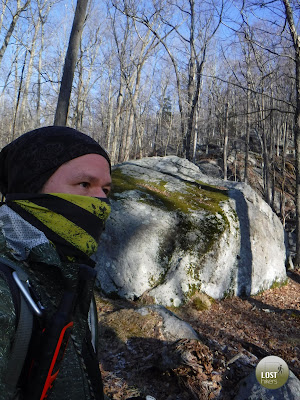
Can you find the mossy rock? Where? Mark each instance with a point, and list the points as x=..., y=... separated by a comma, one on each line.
x=173, y=232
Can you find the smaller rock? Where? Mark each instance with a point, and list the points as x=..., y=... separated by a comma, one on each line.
x=250, y=389
x=211, y=168
x=174, y=328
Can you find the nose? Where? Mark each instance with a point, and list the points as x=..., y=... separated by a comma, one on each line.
x=97, y=192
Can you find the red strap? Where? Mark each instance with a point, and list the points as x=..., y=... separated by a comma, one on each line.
x=51, y=378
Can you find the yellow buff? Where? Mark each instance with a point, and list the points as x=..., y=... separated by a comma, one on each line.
x=73, y=223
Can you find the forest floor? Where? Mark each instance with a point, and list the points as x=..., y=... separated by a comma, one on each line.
x=235, y=335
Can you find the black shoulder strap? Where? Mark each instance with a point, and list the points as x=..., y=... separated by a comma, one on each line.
x=24, y=324
x=6, y=274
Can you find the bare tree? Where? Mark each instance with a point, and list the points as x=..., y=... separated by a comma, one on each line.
x=153, y=24
x=86, y=77
x=4, y=6
x=135, y=44
x=202, y=30
x=296, y=43
x=15, y=16
x=18, y=96
x=24, y=109
x=62, y=108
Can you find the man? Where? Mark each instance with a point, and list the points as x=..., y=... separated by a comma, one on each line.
x=54, y=182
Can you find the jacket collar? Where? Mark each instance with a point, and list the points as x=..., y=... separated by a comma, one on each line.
x=23, y=241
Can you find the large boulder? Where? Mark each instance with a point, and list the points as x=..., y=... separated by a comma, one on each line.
x=174, y=231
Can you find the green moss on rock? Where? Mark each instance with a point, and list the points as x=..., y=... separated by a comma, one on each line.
x=195, y=195
x=277, y=283
x=192, y=197
x=199, y=304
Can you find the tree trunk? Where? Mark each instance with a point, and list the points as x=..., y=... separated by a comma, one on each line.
x=225, y=149
x=247, y=138
x=127, y=139
x=11, y=28
x=109, y=128
x=116, y=136
x=62, y=108
x=297, y=147
x=4, y=5
x=18, y=98
x=296, y=43
x=195, y=135
x=283, y=163
x=38, y=101
x=191, y=104
x=265, y=150
x=24, y=105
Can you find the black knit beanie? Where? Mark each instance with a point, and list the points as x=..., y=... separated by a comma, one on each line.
x=28, y=162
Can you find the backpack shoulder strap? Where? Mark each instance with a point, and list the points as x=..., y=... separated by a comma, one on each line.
x=24, y=325
x=6, y=274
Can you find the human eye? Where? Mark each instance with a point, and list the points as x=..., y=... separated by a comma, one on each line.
x=84, y=184
x=106, y=191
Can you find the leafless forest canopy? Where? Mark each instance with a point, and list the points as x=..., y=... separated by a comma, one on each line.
x=160, y=77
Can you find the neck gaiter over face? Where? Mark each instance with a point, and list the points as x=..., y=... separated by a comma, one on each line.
x=73, y=223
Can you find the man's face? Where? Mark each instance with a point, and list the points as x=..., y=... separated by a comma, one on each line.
x=88, y=175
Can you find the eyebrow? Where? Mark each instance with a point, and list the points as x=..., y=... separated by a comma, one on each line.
x=85, y=176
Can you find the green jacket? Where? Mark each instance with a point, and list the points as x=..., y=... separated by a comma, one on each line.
x=28, y=247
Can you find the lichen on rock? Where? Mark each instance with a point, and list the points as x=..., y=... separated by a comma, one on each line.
x=173, y=231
